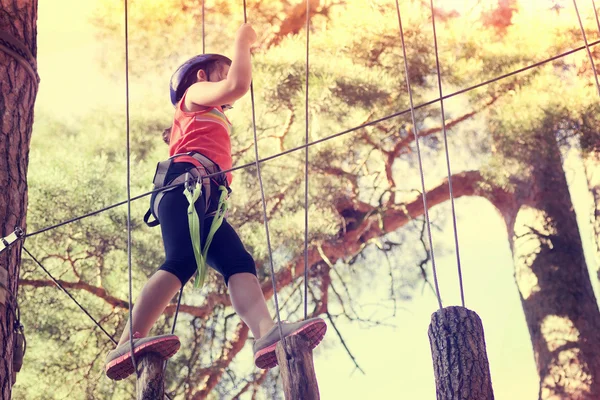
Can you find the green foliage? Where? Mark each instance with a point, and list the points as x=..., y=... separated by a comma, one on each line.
x=356, y=76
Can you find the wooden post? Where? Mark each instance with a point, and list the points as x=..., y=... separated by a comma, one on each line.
x=151, y=384
x=297, y=372
x=460, y=361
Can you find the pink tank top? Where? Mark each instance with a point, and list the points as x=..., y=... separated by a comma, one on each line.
x=206, y=132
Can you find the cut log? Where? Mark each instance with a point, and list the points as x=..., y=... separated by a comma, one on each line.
x=459, y=356
x=151, y=384
x=297, y=372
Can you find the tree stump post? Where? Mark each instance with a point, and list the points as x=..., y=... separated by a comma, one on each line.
x=459, y=356
x=151, y=384
x=297, y=372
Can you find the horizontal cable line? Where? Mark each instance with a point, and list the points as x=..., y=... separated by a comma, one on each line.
x=327, y=138
x=61, y=287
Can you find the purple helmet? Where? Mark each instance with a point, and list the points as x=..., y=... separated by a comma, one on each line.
x=181, y=73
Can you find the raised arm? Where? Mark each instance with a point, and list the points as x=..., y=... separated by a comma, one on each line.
x=238, y=80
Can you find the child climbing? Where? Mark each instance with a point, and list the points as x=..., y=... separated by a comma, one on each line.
x=194, y=230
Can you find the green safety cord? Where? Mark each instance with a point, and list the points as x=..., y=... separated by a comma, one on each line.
x=192, y=193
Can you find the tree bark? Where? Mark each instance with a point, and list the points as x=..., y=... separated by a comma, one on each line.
x=18, y=89
x=554, y=284
x=297, y=372
x=591, y=162
x=460, y=362
x=151, y=385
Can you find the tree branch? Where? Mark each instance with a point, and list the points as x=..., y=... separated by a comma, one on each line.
x=344, y=343
x=234, y=346
x=258, y=380
x=347, y=246
x=294, y=21
x=97, y=291
x=467, y=183
x=431, y=131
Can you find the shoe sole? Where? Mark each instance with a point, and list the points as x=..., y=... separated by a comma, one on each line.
x=121, y=367
x=314, y=332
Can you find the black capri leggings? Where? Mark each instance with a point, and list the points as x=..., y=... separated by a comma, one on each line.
x=226, y=253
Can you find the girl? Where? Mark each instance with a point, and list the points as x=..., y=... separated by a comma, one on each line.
x=199, y=144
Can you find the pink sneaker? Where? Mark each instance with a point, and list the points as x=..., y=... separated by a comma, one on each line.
x=312, y=329
x=118, y=361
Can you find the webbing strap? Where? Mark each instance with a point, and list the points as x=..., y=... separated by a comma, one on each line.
x=147, y=219
x=218, y=219
x=192, y=194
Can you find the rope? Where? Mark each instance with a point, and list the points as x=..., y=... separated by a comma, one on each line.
x=18, y=327
x=327, y=138
x=21, y=59
x=129, y=192
x=203, y=31
x=264, y=204
x=306, y=163
x=414, y=121
x=166, y=363
x=19, y=51
x=454, y=224
x=12, y=305
x=177, y=311
x=182, y=286
x=61, y=287
x=587, y=46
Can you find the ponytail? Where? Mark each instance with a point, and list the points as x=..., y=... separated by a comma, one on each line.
x=166, y=135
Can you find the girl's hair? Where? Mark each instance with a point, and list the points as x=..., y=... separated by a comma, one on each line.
x=189, y=79
x=166, y=135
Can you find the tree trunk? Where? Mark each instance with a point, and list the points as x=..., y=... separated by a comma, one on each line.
x=460, y=362
x=298, y=372
x=18, y=81
x=591, y=162
x=551, y=273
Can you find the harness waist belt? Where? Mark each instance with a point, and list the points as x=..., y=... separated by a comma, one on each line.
x=207, y=167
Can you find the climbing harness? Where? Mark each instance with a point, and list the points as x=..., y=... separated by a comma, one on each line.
x=195, y=186
x=208, y=167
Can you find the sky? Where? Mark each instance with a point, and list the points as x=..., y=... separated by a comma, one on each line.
x=397, y=360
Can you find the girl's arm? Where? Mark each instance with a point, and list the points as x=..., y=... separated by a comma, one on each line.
x=238, y=79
